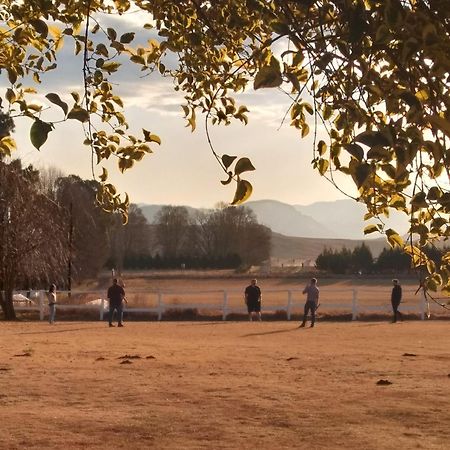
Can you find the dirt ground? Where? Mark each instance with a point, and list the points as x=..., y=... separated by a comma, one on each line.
x=230, y=385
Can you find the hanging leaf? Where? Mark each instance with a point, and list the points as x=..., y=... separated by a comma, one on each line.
x=373, y=138
x=371, y=229
x=54, y=98
x=40, y=26
x=362, y=172
x=228, y=160
x=78, y=113
x=394, y=239
x=243, y=191
x=323, y=165
x=103, y=177
x=355, y=150
x=228, y=181
x=268, y=76
x=243, y=165
x=39, y=133
x=126, y=38
x=321, y=148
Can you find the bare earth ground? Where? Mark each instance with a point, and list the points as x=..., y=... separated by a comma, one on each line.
x=231, y=385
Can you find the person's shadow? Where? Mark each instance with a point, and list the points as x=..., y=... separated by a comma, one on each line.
x=270, y=332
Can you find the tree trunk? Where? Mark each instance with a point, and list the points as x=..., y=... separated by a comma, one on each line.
x=6, y=301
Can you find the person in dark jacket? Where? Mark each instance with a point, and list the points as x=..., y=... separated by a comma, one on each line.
x=116, y=295
x=253, y=300
x=396, y=298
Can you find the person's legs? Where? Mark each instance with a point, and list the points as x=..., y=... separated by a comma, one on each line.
x=120, y=314
x=313, y=313
x=112, y=307
x=395, y=310
x=258, y=310
x=52, y=313
x=305, y=314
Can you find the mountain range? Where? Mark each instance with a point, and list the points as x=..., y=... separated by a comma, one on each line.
x=340, y=219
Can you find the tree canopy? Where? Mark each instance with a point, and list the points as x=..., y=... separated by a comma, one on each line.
x=368, y=78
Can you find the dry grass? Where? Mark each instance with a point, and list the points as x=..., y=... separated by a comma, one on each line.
x=227, y=385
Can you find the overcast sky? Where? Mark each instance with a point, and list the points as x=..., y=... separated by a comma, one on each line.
x=182, y=171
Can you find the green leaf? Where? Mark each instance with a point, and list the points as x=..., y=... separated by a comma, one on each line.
x=323, y=165
x=243, y=165
x=149, y=137
x=78, y=113
x=321, y=148
x=268, y=76
x=126, y=38
x=373, y=138
x=394, y=239
x=419, y=200
x=40, y=26
x=39, y=133
x=441, y=123
x=228, y=160
x=54, y=98
x=112, y=34
x=431, y=266
x=362, y=172
x=243, y=191
x=103, y=177
x=371, y=229
x=355, y=150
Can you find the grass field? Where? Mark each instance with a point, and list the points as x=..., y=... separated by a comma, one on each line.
x=224, y=385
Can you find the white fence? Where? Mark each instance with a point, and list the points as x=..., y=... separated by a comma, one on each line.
x=351, y=301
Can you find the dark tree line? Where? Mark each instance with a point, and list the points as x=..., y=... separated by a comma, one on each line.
x=360, y=260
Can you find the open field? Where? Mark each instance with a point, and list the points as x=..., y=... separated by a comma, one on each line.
x=181, y=290
x=172, y=385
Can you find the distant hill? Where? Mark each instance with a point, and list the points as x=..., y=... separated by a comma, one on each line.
x=286, y=219
x=340, y=219
x=296, y=249
x=346, y=218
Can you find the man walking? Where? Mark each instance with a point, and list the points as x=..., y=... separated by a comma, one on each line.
x=312, y=301
x=116, y=294
x=396, y=298
x=253, y=300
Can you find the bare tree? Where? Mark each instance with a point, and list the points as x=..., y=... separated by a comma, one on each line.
x=32, y=234
x=172, y=224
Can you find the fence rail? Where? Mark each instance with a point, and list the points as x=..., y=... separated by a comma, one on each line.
x=287, y=302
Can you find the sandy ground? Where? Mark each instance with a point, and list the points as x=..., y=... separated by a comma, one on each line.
x=231, y=385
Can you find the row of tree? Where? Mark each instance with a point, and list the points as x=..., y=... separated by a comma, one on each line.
x=223, y=237
x=360, y=260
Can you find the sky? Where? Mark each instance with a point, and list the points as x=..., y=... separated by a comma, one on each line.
x=183, y=171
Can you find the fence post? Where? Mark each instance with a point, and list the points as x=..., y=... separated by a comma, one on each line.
x=289, y=304
x=41, y=305
x=102, y=308
x=423, y=300
x=160, y=305
x=225, y=305
x=355, y=305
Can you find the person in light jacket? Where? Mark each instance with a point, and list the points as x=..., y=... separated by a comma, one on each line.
x=51, y=296
x=312, y=301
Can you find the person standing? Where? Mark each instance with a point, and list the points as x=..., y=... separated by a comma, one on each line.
x=312, y=301
x=253, y=300
x=116, y=295
x=51, y=297
x=396, y=298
